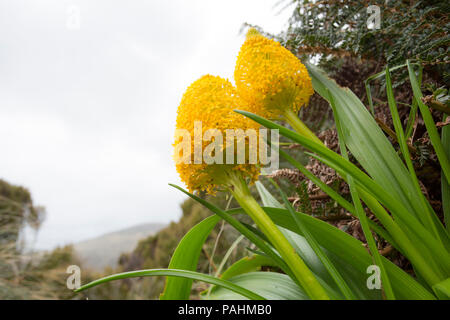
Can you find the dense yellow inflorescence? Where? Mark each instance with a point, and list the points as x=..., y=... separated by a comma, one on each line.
x=210, y=100
x=270, y=78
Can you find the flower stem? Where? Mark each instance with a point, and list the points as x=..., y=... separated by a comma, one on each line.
x=299, y=126
x=304, y=276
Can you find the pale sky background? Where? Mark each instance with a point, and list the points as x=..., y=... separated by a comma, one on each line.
x=87, y=114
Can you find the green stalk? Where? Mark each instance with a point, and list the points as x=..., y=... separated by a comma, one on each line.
x=241, y=228
x=334, y=273
x=299, y=126
x=302, y=273
x=369, y=96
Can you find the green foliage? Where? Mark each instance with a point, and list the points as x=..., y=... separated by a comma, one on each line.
x=421, y=237
x=409, y=30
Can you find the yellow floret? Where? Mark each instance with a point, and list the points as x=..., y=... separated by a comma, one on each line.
x=210, y=100
x=270, y=78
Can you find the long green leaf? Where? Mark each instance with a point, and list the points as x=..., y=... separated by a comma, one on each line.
x=444, y=182
x=176, y=273
x=350, y=250
x=371, y=203
x=442, y=289
x=360, y=210
x=413, y=112
x=246, y=265
x=427, y=255
x=227, y=256
x=368, y=144
x=267, y=198
x=428, y=218
x=336, y=197
x=344, y=166
x=436, y=253
x=186, y=257
x=373, y=77
x=270, y=285
x=429, y=124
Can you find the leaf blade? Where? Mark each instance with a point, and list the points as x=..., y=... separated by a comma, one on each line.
x=175, y=273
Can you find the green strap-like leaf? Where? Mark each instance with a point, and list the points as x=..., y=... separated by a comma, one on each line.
x=176, y=273
x=429, y=124
x=350, y=250
x=337, y=197
x=442, y=289
x=270, y=285
x=368, y=144
x=186, y=257
x=247, y=264
x=436, y=253
x=445, y=184
x=427, y=215
x=361, y=214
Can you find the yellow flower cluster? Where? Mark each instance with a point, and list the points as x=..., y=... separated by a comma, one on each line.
x=270, y=81
x=270, y=78
x=210, y=100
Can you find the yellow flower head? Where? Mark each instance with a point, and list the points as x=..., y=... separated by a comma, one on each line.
x=270, y=78
x=210, y=101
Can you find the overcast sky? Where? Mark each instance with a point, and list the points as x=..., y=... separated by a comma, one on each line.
x=88, y=103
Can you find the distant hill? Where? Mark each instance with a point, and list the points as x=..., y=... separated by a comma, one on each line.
x=100, y=252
